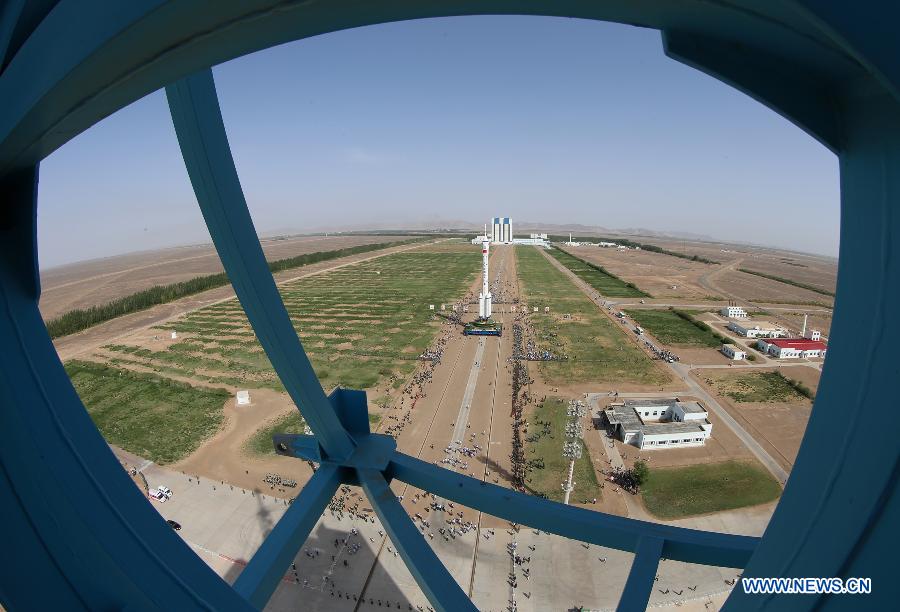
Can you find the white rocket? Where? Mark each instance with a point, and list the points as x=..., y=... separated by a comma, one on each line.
x=484, y=298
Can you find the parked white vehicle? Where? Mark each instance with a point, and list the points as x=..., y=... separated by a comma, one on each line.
x=164, y=491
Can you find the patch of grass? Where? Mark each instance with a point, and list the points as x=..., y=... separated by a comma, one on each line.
x=672, y=493
x=798, y=386
x=608, y=284
x=757, y=387
x=597, y=350
x=548, y=447
x=671, y=328
x=146, y=414
x=261, y=442
x=788, y=281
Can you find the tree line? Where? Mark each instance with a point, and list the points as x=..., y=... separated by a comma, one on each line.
x=82, y=318
x=788, y=281
x=632, y=244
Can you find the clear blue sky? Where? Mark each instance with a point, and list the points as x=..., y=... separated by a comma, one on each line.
x=540, y=119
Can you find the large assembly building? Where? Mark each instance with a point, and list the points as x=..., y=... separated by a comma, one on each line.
x=501, y=230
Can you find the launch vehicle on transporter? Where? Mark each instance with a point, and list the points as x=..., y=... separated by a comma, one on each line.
x=484, y=325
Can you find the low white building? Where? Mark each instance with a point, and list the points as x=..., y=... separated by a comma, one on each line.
x=757, y=329
x=734, y=312
x=733, y=352
x=793, y=348
x=658, y=423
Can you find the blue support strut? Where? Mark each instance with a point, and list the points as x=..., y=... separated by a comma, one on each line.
x=204, y=144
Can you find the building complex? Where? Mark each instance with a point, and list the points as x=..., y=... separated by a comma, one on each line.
x=792, y=348
x=657, y=423
x=757, y=329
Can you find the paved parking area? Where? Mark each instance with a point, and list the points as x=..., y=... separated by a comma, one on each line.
x=224, y=525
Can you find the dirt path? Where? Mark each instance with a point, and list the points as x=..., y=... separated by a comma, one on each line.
x=223, y=458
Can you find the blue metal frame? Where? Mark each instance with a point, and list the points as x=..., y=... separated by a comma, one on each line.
x=79, y=526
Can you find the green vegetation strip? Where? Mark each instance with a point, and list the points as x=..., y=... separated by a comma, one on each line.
x=597, y=350
x=261, y=442
x=762, y=387
x=671, y=493
x=148, y=415
x=635, y=245
x=677, y=328
x=788, y=281
x=608, y=284
x=82, y=318
x=547, y=447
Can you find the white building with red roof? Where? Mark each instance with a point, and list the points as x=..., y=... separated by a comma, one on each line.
x=792, y=348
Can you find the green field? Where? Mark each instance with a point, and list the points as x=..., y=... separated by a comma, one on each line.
x=598, y=351
x=607, y=284
x=261, y=442
x=673, y=330
x=548, y=447
x=149, y=415
x=672, y=493
x=360, y=324
x=757, y=387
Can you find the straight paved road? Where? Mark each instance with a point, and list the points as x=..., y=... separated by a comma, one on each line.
x=683, y=372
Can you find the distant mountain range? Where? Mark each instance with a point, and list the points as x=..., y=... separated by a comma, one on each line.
x=520, y=229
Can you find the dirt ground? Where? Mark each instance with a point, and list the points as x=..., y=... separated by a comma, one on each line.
x=224, y=458
x=98, y=281
x=759, y=289
x=778, y=426
x=654, y=273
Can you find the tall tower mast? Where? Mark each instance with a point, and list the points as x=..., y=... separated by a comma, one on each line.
x=484, y=299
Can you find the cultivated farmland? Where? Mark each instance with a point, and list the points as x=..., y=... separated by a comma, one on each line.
x=674, y=330
x=597, y=277
x=597, y=351
x=359, y=324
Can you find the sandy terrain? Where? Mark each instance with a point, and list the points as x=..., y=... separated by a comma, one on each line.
x=90, y=283
x=778, y=426
x=758, y=289
x=224, y=458
x=654, y=273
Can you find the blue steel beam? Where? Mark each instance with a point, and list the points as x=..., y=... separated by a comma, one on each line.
x=117, y=56
x=204, y=144
x=76, y=531
x=808, y=99
x=688, y=545
x=641, y=576
x=10, y=12
x=261, y=576
x=432, y=577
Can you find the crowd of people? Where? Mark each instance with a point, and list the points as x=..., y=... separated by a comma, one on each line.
x=520, y=381
x=277, y=480
x=661, y=353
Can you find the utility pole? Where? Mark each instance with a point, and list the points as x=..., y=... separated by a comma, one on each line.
x=572, y=448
